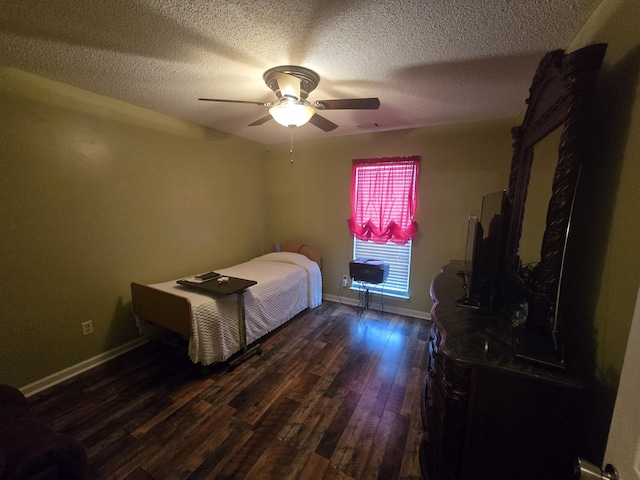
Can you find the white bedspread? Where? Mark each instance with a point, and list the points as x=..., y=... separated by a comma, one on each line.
x=287, y=284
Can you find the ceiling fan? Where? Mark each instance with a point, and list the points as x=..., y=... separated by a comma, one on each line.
x=292, y=85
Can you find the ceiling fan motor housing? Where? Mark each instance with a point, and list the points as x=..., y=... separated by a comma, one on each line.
x=308, y=79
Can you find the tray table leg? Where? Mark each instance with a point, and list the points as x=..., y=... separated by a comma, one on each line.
x=242, y=330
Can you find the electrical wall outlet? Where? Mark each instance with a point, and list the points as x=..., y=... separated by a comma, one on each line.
x=345, y=280
x=87, y=327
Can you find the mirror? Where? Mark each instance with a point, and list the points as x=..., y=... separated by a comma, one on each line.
x=534, y=222
x=547, y=151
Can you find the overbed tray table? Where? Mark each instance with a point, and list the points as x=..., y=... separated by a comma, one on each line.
x=237, y=286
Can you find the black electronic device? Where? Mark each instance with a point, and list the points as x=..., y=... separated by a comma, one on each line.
x=208, y=276
x=368, y=270
x=496, y=209
x=485, y=257
x=472, y=268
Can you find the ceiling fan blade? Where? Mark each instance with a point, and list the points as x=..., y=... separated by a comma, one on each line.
x=348, y=104
x=322, y=123
x=260, y=121
x=262, y=104
x=289, y=85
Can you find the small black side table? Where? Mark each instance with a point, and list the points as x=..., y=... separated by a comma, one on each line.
x=367, y=297
x=237, y=286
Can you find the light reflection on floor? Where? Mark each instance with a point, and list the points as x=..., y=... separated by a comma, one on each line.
x=374, y=332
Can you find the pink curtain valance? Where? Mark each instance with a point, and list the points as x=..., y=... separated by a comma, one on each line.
x=383, y=199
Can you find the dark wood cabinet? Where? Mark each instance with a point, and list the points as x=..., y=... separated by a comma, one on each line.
x=486, y=414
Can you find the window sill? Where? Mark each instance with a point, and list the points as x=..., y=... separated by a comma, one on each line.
x=380, y=291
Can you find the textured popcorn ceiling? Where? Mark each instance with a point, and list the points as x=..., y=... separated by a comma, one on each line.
x=429, y=62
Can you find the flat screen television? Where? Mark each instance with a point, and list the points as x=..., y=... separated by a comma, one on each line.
x=471, y=272
x=485, y=253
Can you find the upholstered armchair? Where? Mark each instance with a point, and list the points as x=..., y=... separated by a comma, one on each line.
x=31, y=450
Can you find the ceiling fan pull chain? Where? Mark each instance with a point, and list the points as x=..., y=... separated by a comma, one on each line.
x=291, y=143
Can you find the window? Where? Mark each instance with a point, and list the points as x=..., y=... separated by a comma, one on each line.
x=399, y=259
x=383, y=205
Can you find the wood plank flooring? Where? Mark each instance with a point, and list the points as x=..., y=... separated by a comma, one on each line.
x=331, y=397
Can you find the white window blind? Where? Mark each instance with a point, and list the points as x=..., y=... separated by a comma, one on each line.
x=397, y=256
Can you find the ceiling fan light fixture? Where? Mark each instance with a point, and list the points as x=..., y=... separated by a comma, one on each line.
x=291, y=114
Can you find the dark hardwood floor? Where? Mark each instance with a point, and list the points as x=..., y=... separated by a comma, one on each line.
x=331, y=397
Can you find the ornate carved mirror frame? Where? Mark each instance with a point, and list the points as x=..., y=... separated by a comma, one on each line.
x=559, y=97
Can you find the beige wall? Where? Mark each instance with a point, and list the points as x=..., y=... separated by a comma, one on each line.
x=96, y=193
x=309, y=199
x=604, y=262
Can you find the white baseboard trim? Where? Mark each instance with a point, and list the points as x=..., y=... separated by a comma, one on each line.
x=61, y=376
x=387, y=308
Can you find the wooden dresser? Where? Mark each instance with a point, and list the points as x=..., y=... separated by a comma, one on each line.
x=486, y=414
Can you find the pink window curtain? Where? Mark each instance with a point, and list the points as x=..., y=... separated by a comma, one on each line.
x=383, y=199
